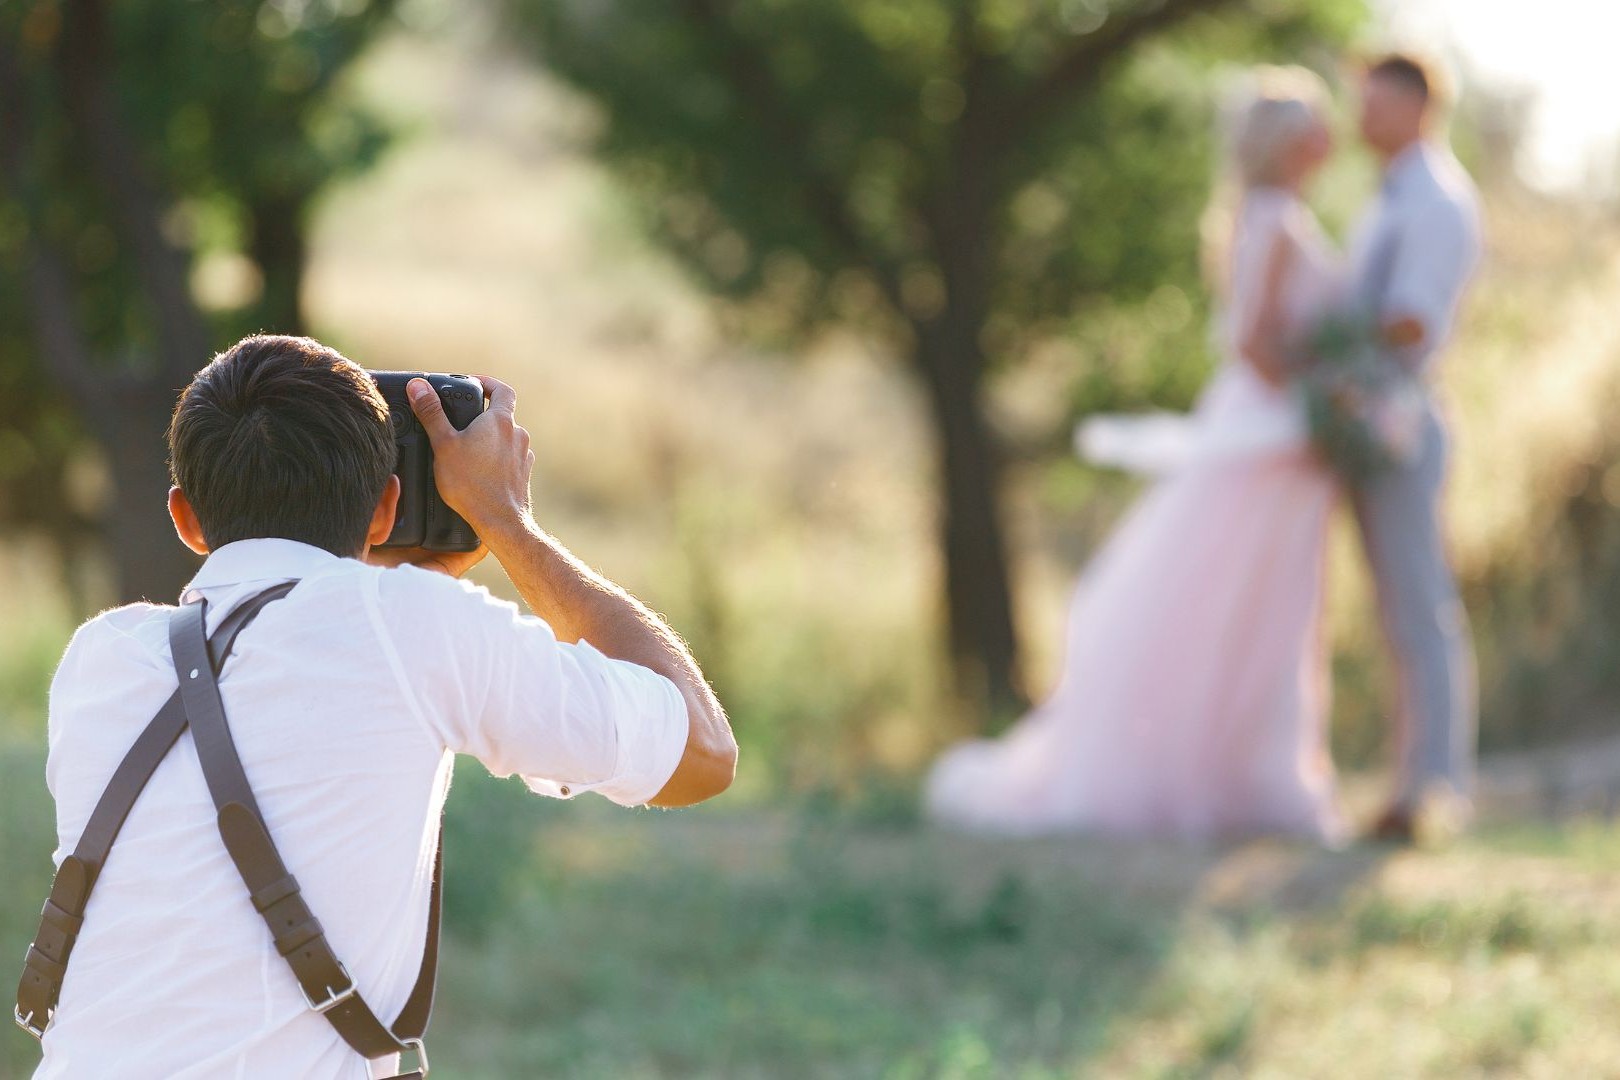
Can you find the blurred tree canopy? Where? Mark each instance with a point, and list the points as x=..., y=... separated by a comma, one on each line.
x=157, y=165
x=964, y=178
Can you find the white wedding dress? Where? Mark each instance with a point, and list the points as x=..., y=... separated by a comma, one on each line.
x=1193, y=697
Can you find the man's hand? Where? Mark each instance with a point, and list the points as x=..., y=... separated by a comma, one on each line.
x=453, y=563
x=482, y=471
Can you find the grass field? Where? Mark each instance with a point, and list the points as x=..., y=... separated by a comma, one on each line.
x=725, y=943
x=719, y=948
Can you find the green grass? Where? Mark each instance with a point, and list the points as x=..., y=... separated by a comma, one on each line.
x=711, y=945
x=589, y=942
x=789, y=962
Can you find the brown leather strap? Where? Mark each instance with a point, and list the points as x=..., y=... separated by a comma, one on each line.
x=154, y=743
x=412, y=1022
x=63, y=914
x=297, y=934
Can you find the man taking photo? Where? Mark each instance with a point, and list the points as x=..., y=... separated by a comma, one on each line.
x=347, y=699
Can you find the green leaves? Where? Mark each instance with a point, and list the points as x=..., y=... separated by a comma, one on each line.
x=853, y=135
x=235, y=119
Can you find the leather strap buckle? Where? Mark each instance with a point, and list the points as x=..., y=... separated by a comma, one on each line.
x=27, y=1024
x=334, y=998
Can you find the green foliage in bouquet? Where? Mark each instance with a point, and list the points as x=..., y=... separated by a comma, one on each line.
x=1362, y=405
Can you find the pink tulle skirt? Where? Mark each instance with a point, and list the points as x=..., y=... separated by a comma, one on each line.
x=1194, y=692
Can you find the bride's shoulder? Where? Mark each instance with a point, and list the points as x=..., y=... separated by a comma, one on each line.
x=1279, y=210
x=1266, y=212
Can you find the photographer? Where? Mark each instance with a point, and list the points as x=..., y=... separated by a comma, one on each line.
x=347, y=699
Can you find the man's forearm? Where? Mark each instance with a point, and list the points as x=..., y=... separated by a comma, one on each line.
x=483, y=473
x=576, y=601
x=579, y=603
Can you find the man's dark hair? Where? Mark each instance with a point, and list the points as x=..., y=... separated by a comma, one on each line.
x=1407, y=71
x=282, y=437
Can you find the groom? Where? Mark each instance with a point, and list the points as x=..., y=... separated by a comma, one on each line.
x=1414, y=252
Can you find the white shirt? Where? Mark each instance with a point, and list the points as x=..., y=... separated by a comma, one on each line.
x=347, y=700
x=1418, y=245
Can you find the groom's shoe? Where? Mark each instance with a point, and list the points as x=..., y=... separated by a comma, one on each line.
x=1435, y=818
x=1393, y=826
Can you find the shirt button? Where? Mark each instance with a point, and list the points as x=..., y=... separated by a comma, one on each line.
x=566, y=790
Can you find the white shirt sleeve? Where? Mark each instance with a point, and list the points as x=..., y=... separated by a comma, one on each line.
x=495, y=683
x=1437, y=254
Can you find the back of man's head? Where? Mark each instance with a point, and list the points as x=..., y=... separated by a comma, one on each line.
x=282, y=437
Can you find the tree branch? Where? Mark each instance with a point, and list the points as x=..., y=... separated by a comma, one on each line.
x=1082, y=67
x=756, y=88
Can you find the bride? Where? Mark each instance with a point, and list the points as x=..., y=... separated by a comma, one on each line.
x=1194, y=690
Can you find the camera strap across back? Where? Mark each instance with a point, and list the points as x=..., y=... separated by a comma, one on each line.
x=63, y=914
x=298, y=935
x=274, y=891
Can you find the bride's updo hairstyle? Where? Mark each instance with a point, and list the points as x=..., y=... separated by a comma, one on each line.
x=1281, y=105
x=1264, y=113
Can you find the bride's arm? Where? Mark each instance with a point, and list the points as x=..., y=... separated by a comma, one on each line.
x=1265, y=345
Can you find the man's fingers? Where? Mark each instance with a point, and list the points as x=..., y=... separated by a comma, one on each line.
x=502, y=398
x=429, y=410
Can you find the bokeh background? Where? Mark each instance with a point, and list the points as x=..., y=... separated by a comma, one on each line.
x=803, y=299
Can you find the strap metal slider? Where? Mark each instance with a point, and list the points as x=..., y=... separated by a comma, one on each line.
x=411, y=1046
x=27, y=1022
x=415, y=1046
x=334, y=998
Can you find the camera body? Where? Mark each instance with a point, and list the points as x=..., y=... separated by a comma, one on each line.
x=423, y=520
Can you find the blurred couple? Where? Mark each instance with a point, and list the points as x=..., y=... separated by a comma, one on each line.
x=1194, y=695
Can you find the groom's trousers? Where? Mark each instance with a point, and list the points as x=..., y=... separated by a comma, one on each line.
x=1399, y=513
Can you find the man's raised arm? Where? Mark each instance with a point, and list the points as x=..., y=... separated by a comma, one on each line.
x=483, y=474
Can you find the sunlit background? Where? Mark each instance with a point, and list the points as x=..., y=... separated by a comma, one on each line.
x=1555, y=55
x=731, y=417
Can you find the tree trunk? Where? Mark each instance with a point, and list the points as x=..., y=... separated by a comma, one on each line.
x=149, y=561
x=84, y=64
x=278, y=248
x=983, y=644
x=130, y=411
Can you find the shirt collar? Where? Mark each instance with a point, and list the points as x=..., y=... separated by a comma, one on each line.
x=267, y=559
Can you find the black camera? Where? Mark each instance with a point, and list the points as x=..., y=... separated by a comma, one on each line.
x=423, y=520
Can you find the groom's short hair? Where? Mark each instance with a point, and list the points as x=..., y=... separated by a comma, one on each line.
x=1409, y=72
x=282, y=437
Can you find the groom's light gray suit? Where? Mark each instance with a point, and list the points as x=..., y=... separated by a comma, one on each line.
x=1412, y=256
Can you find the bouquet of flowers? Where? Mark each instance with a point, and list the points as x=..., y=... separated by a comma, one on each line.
x=1364, y=408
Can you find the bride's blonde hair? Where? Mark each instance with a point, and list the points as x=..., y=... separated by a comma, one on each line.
x=1269, y=108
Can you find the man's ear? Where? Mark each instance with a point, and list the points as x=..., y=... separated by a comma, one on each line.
x=185, y=522
x=382, y=518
